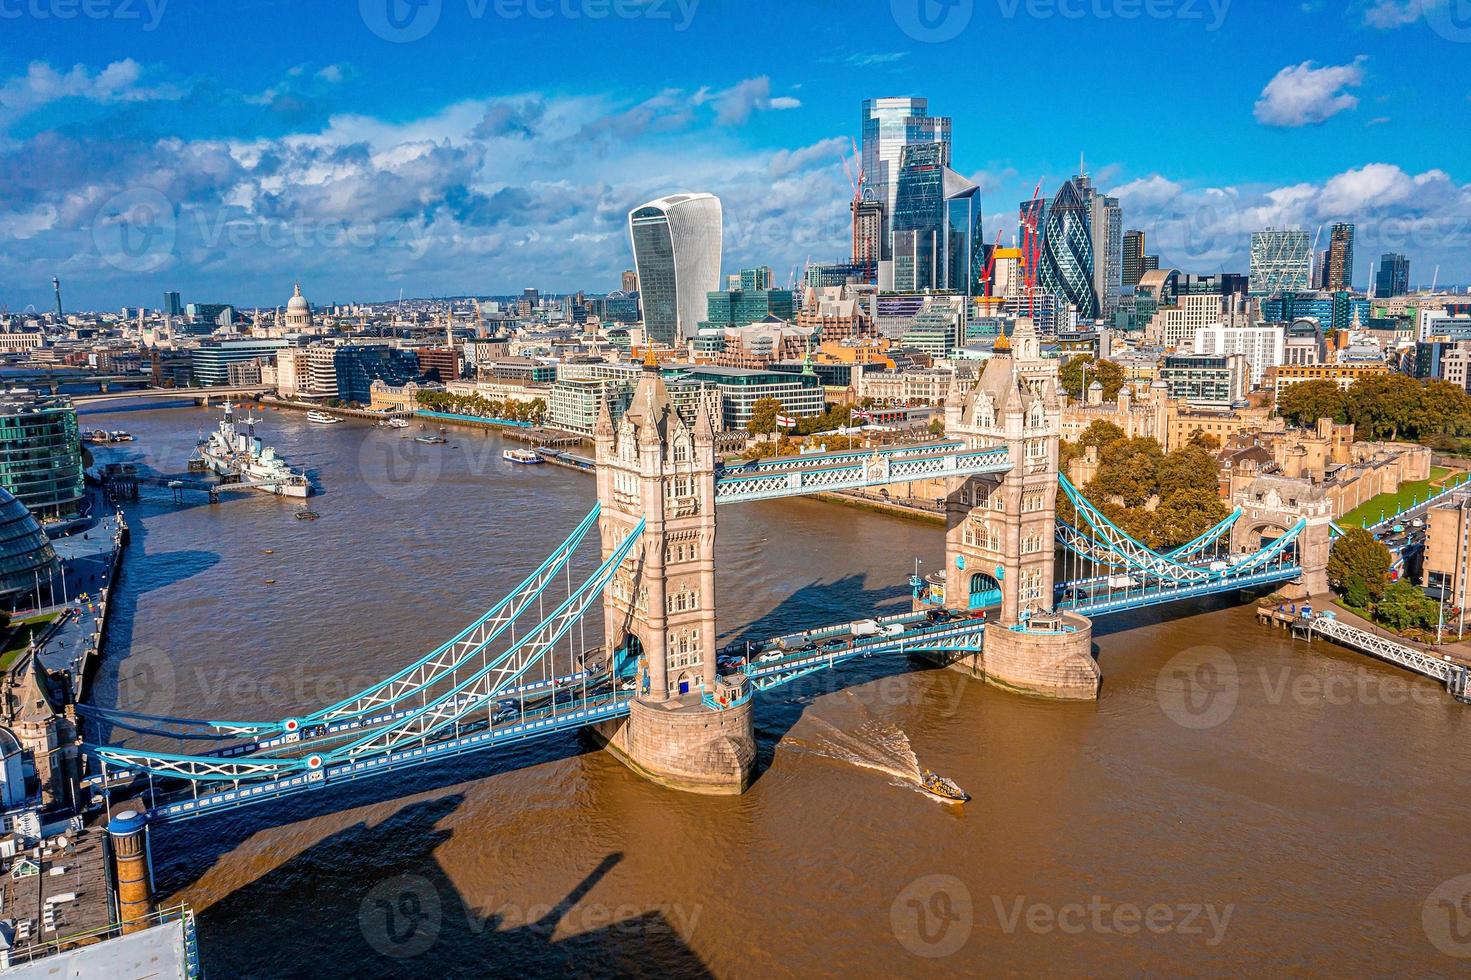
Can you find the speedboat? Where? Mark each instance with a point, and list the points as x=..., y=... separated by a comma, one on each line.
x=398, y=423
x=523, y=456
x=431, y=440
x=322, y=418
x=943, y=789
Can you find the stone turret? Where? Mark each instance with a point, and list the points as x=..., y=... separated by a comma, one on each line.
x=1000, y=529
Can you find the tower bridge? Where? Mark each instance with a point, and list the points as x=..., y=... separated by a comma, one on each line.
x=629, y=652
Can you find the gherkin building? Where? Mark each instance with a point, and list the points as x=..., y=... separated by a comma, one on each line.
x=1066, y=267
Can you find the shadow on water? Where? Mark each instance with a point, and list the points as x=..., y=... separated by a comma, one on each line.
x=379, y=903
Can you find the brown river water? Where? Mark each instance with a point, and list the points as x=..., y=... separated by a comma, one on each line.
x=1234, y=802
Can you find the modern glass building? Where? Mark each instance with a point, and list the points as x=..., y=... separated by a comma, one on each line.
x=41, y=453
x=1394, y=276
x=26, y=556
x=937, y=242
x=676, y=248
x=754, y=300
x=358, y=366
x=1066, y=268
x=888, y=126
x=741, y=388
x=210, y=362
x=1281, y=262
x=1134, y=246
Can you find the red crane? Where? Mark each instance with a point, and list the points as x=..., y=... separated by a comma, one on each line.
x=1031, y=248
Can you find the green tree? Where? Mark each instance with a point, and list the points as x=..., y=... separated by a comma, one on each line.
x=1083, y=370
x=937, y=426
x=1358, y=567
x=763, y=416
x=1303, y=404
x=1127, y=472
x=1184, y=515
x=1187, y=468
x=1404, y=607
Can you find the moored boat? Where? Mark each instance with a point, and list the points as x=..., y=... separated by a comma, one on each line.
x=322, y=418
x=523, y=456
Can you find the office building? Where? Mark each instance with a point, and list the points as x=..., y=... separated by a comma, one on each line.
x=1066, y=270
x=358, y=366
x=741, y=388
x=440, y=364
x=1106, y=221
x=888, y=126
x=751, y=298
x=209, y=363
x=1133, y=260
x=676, y=249
x=172, y=304
x=26, y=556
x=1340, y=274
x=1393, y=278
x=1280, y=262
x=1263, y=346
x=1205, y=382
x=936, y=225
x=41, y=452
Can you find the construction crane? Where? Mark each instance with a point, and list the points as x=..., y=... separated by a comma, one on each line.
x=858, y=181
x=1031, y=249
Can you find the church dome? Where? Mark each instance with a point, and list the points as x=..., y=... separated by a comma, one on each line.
x=298, y=303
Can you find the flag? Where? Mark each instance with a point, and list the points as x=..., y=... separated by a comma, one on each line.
x=786, y=422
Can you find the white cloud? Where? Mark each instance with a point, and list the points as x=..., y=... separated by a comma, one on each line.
x=42, y=84
x=1303, y=95
x=1387, y=15
x=332, y=74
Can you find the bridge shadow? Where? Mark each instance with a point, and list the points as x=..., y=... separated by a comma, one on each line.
x=376, y=901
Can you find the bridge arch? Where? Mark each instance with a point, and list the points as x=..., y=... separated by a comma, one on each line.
x=984, y=591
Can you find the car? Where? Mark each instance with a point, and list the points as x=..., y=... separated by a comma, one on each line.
x=502, y=716
x=938, y=615
x=508, y=704
x=769, y=656
x=832, y=645
x=891, y=629
x=626, y=686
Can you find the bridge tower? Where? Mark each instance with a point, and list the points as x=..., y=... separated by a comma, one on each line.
x=1270, y=506
x=687, y=728
x=1001, y=529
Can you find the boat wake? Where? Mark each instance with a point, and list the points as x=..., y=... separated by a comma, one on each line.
x=875, y=744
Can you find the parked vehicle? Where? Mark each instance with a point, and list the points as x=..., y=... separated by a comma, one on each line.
x=866, y=627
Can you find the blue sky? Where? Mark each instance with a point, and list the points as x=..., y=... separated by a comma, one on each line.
x=458, y=146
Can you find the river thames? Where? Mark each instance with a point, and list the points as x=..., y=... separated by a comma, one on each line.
x=1235, y=802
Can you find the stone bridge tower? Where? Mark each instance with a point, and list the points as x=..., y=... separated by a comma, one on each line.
x=1000, y=530
x=1270, y=507
x=655, y=466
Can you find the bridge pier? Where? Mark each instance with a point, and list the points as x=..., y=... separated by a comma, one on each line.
x=686, y=747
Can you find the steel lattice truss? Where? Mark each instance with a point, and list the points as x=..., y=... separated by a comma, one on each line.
x=797, y=476
x=475, y=692
x=385, y=696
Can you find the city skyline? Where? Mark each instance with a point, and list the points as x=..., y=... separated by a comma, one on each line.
x=401, y=166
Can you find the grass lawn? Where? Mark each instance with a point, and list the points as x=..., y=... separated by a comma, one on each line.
x=1385, y=504
x=20, y=637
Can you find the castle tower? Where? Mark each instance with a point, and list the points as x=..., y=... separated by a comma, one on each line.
x=1001, y=529
x=659, y=608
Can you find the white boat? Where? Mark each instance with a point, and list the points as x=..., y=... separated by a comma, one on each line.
x=241, y=456
x=523, y=456
x=322, y=418
x=398, y=423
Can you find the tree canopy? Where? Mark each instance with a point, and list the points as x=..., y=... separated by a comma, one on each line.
x=1086, y=366
x=1358, y=567
x=1133, y=472
x=481, y=407
x=1382, y=406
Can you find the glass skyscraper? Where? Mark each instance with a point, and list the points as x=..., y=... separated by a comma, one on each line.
x=937, y=224
x=1066, y=270
x=1281, y=261
x=41, y=453
x=676, y=249
x=888, y=126
x=1340, y=258
x=1394, y=276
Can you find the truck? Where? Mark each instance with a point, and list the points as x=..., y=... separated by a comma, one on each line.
x=1122, y=582
x=865, y=627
